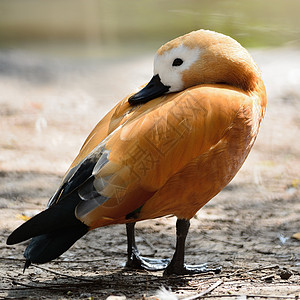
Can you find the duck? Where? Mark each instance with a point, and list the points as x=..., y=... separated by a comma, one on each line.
x=164, y=150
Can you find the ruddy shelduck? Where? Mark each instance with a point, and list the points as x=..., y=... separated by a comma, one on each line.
x=165, y=150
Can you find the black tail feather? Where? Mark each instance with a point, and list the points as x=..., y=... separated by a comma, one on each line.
x=46, y=247
x=26, y=265
x=53, y=231
x=55, y=218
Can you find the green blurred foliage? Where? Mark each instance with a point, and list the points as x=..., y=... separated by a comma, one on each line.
x=146, y=23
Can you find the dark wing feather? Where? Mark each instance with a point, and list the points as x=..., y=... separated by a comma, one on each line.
x=80, y=174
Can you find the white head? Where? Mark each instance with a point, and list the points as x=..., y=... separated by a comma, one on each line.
x=170, y=65
x=199, y=57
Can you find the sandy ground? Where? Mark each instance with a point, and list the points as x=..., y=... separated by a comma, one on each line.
x=47, y=108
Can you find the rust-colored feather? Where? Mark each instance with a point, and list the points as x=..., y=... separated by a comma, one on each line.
x=173, y=154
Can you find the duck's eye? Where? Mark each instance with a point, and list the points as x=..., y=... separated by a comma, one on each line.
x=177, y=62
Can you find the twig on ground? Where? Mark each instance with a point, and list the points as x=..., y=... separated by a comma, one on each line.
x=222, y=241
x=211, y=288
x=59, y=261
x=251, y=270
x=12, y=259
x=29, y=286
x=65, y=275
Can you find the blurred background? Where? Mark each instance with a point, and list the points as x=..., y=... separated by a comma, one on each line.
x=109, y=28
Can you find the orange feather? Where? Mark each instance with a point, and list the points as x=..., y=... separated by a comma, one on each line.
x=172, y=154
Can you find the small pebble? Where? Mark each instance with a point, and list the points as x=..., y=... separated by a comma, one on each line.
x=285, y=273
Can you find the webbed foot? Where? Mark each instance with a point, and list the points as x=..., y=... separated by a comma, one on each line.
x=150, y=264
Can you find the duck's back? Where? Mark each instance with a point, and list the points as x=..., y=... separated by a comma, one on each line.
x=172, y=154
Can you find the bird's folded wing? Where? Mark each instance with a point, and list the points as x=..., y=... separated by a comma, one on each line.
x=132, y=152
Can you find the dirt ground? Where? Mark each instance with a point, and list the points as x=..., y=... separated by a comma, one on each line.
x=48, y=106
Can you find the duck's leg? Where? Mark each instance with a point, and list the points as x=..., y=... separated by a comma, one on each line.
x=136, y=261
x=177, y=265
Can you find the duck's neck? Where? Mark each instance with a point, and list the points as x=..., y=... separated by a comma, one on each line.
x=237, y=70
x=244, y=75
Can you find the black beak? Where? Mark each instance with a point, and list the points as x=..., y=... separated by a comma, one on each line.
x=152, y=90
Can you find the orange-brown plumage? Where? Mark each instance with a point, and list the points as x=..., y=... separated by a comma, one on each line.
x=171, y=155
x=180, y=150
